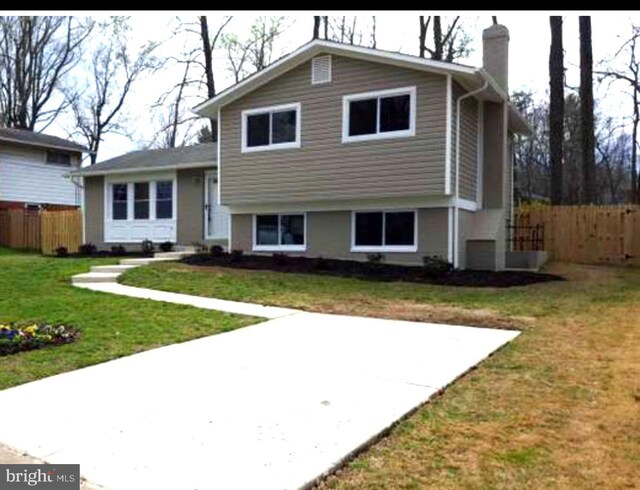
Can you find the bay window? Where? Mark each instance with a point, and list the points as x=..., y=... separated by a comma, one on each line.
x=384, y=231
x=164, y=199
x=119, y=200
x=379, y=115
x=141, y=201
x=273, y=232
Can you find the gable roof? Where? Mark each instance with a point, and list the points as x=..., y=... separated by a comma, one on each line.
x=470, y=77
x=202, y=155
x=32, y=138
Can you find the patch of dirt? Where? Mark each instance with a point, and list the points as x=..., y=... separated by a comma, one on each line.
x=370, y=271
x=420, y=312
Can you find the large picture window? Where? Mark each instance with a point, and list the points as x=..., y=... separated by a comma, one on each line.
x=391, y=231
x=279, y=232
x=271, y=128
x=379, y=115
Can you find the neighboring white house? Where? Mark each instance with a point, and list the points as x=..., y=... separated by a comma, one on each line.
x=33, y=168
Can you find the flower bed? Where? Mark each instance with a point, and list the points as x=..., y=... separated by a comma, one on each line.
x=17, y=338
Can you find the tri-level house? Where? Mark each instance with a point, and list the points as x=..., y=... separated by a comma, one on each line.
x=339, y=151
x=33, y=168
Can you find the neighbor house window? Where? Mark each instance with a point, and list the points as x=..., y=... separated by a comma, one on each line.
x=279, y=232
x=271, y=128
x=164, y=199
x=119, y=201
x=58, y=158
x=392, y=231
x=379, y=115
x=141, y=200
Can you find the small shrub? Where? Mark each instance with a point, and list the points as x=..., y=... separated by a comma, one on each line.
x=375, y=259
x=216, y=251
x=166, y=246
x=147, y=247
x=87, y=249
x=435, y=266
x=236, y=256
x=62, y=252
x=321, y=264
x=118, y=250
x=200, y=247
x=280, y=259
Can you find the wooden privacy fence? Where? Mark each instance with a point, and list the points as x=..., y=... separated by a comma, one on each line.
x=41, y=230
x=585, y=234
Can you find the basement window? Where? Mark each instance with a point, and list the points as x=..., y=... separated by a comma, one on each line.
x=279, y=232
x=384, y=231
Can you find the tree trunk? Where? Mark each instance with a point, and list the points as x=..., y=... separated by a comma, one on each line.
x=325, y=21
x=423, y=36
x=316, y=27
x=634, y=148
x=208, y=68
x=438, y=45
x=586, y=113
x=556, y=108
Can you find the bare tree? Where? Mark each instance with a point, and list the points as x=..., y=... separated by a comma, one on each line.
x=449, y=44
x=629, y=74
x=586, y=112
x=36, y=54
x=208, y=46
x=254, y=52
x=168, y=133
x=556, y=108
x=114, y=70
x=351, y=30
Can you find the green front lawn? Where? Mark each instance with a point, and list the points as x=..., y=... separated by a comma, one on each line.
x=38, y=289
x=557, y=408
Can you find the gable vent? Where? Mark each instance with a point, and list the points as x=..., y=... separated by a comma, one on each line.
x=321, y=69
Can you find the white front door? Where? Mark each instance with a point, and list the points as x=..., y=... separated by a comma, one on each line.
x=216, y=217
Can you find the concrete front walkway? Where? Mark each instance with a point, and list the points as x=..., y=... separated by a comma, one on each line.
x=271, y=406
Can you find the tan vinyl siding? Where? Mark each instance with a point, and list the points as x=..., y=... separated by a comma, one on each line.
x=329, y=236
x=468, y=149
x=324, y=168
x=94, y=210
x=468, y=143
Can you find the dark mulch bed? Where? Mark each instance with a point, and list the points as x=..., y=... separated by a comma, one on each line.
x=369, y=271
x=16, y=338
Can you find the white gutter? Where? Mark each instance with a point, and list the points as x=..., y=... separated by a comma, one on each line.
x=456, y=208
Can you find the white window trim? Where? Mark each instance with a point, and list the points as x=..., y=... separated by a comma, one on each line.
x=108, y=198
x=313, y=70
x=271, y=109
x=278, y=248
x=403, y=133
x=385, y=248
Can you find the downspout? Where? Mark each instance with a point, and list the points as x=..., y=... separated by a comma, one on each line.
x=456, y=209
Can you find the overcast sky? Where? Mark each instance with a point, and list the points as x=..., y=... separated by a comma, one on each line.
x=528, y=68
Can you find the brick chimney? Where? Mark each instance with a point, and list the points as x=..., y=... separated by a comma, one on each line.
x=495, y=54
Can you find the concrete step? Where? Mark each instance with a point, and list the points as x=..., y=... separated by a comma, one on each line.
x=93, y=277
x=118, y=269
x=171, y=255
x=145, y=260
x=185, y=248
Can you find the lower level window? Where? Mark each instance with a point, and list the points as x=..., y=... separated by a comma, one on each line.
x=279, y=232
x=391, y=231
